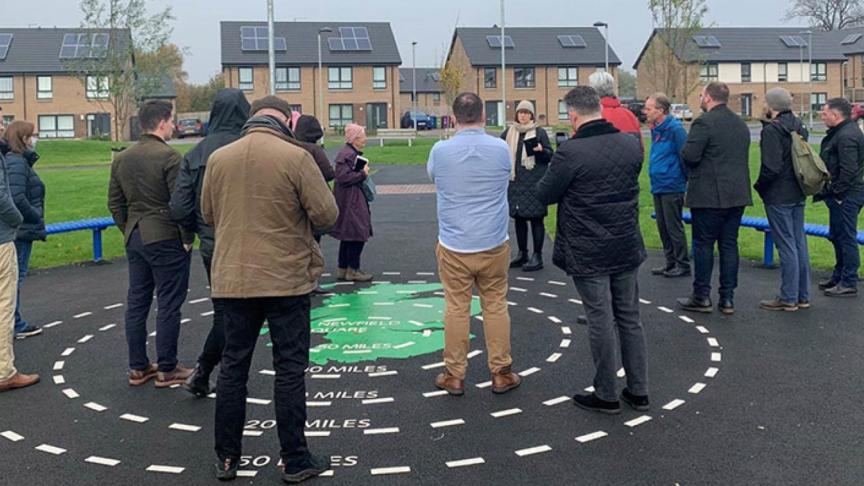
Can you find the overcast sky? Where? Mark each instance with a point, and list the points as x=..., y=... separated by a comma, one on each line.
x=430, y=22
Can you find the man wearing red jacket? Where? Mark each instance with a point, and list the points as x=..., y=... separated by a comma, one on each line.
x=619, y=116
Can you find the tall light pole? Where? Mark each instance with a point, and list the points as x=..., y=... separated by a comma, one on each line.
x=503, y=70
x=271, y=51
x=605, y=41
x=801, y=69
x=322, y=30
x=414, y=83
x=810, y=62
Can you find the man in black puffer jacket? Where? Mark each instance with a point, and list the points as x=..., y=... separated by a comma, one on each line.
x=229, y=114
x=594, y=179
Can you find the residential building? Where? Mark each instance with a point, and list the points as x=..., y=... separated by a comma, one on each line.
x=430, y=95
x=39, y=80
x=542, y=65
x=358, y=80
x=752, y=61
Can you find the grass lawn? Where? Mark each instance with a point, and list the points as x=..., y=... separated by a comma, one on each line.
x=398, y=152
x=66, y=153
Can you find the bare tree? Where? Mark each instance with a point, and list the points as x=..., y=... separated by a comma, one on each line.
x=450, y=80
x=828, y=15
x=665, y=63
x=107, y=69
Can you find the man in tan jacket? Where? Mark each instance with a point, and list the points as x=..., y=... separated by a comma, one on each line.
x=264, y=196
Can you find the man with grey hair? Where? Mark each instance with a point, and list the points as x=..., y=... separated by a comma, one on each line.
x=594, y=179
x=619, y=116
x=778, y=187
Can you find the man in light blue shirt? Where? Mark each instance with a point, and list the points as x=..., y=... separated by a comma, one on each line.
x=471, y=172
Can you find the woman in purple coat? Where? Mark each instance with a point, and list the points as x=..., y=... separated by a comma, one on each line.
x=354, y=226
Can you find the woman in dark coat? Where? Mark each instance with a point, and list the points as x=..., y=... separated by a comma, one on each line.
x=354, y=226
x=28, y=192
x=526, y=171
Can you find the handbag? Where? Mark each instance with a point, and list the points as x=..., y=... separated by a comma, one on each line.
x=369, y=190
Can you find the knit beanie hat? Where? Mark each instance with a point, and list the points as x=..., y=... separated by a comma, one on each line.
x=525, y=105
x=272, y=102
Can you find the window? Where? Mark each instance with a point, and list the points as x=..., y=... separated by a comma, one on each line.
x=379, y=77
x=288, y=79
x=44, y=88
x=818, y=72
x=340, y=78
x=568, y=77
x=246, y=82
x=524, y=77
x=746, y=72
x=562, y=110
x=341, y=115
x=436, y=98
x=297, y=108
x=708, y=73
x=56, y=126
x=782, y=72
x=817, y=100
x=6, y=88
x=489, y=78
x=97, y=87
x=7, y=119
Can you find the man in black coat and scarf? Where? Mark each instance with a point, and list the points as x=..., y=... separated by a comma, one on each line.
x=594, y=179
x=227, y=117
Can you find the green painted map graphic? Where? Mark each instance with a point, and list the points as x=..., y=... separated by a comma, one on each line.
x=382, y=321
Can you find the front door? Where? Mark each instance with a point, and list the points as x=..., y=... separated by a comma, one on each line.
x=747, y=105
x=99, y=126
x=376, y=115
x=494, y=113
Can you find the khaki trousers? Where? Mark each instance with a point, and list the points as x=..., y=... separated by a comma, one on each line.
x=8, y=291
x=459, y=273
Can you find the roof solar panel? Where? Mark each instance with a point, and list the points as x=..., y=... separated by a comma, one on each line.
x=851, y=39
x=256, y=38
x=494, y=41
x=5, y=43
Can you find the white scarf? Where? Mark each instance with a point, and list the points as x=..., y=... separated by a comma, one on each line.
x=527, y=161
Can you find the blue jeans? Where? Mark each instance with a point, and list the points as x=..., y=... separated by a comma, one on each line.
x=787, y=229
x=843, y=233
x=24, y=248
x=718, y=226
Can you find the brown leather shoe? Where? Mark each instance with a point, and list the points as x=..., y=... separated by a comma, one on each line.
x=453, y=385
x=505, y=380
x=18, y=380
x=340, y=273
x=139, y=377
x=177, y=376
x=357, y=275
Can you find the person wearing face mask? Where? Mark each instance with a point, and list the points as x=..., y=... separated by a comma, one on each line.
x=28, y=192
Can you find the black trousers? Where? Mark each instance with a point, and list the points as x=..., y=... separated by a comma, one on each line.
x=720, y=227
x=538, y=233
x=215, y=343
x=288, y=320
x=671, y=227
x=349, y=254
x=163, y=266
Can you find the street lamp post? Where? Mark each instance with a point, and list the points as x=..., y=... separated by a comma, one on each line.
x=321, y=79
x=271, y=50
x=503, y=71
x=810, y=62
x=605, y=41
x=414, y=83
x=801, y=69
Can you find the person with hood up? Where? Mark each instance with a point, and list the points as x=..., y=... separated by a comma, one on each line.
x=308, y=132
x=227, y=117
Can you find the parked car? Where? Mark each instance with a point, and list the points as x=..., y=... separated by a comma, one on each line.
x=636, y=108
x=857, y=111
x=682, y=112
x=423, y=120
x=189, y=127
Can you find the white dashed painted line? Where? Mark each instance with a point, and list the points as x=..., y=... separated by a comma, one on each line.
x=506, y=413
x=383, y=471
x=437, y=393
x=711, y=372
x=485, y=384
x=555, y=282
x=423, y=306
x=113, y=306
x=698, y=387
x=95, y=407
x=387, y=304
x=258, y=401
x=553, y=357
x=253, y=433
x=391, y=273
x=336, y=319
x=535, y=310
x=50, y=449
x=529, y=371
x=440, y=294
x=686, y=319
x=406, y=292
x=621, y=373
x=479, y=318
x=367, y=292
x=643, y=301
x=58, y=365
x=373, y=401
x=416, y=323
x=246, y=473
x=184, y=427
x=316, y=433
x=152, y=334
x=380, y=318
x=592, y=436
x=13, y=436
x=404, y=345
x=433, y=365
x=381, y=431
x=67, y=352
x=198, y=301
x=716, y=357
x=665, y=309
x=102, y=461
x=713, y=342
x=83, y=314
x=416, y=282
x=185, y=320
x=318, y=404
x=702, y=329
x=383, y=373
x=207, y=314
x=638, y=421
x=85, y=339
x=533, y=450
x=425, y=274
x=476, y=352
x=165, y=469
x=566, y=330
x=339, y=284
x=589, y=389
x=554, y=319
x=575, y=301
x=673, y=404
x=108, y=327
x=518, y=289
x=381, y=282
x=565, y=343
x=546, y=294
x=134, y=418
x=357, y=351
x=465, y=462
x=267, y=373
x=447, y=423
x=52, y=324
x=525, y=279
x=556, y=401
x=326, y=376
x=59, y=380
x=336, y=306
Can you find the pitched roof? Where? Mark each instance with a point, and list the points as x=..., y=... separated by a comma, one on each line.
x=301, y=39
x=536, y=46
x=161, y=88
x=756, y=44
x=38, y=50
x=425, y=81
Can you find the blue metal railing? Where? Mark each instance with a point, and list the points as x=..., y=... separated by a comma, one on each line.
x=97, y=225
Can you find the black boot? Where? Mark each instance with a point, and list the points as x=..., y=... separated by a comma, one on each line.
x=199, y=383
x=520, y=259
x=534, y=263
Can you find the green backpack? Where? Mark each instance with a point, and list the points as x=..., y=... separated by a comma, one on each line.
x=810, y=171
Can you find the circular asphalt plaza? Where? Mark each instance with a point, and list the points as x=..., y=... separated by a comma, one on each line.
x=757, y=398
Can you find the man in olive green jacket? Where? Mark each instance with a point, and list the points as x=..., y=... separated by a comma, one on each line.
x=264, y=196
x=142, y=178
